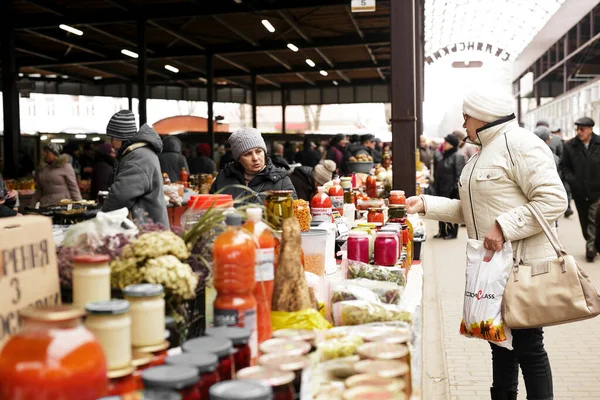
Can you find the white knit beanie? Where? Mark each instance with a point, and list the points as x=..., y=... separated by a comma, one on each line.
x=488, y=104
x=245, y=139
x=323, y=172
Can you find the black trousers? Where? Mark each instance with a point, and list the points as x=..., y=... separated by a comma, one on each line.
x=447, y=229
x=528, y=353
x=587, y=219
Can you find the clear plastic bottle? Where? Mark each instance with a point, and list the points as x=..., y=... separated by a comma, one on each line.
x=264, y=271
x=336, y=194
x=321, y=207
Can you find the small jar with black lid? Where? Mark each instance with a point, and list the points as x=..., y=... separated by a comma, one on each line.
x=240, y=337
x=205, y=363
x=168, y=377
x=241, y=390
x=220, y=346
x=109, y=321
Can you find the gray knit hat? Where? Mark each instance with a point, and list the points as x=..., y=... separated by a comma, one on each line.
x=543, y=132
x=122, y=126
x=323, y=172
x=54, y=148
x=245, y=139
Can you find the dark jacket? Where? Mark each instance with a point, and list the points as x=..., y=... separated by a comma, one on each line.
x=103, y=174
x=376, y=154
x=336, y=154
x=138, y=184
x=580, y=168
x=171, y=159
x=556, y=145
x=280, y=162
x=597, y=241
x=309, y=157
x=302, y=179
x=202, y=165
x=354, y=148
x=271, y=178
x=447, y=172
x=6, y=208
x=226, y=159
x=426, y=157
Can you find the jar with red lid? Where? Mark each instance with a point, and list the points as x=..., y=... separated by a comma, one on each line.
x=284, y=346
x=284, y=362
x=219, y=346
x=280, y=381
x=205, y=363
x=358, y=246
x=375, y=216
x=121, y=381
x=397, y=197
x=240, y=337
x=180, y=379
x=385, y=252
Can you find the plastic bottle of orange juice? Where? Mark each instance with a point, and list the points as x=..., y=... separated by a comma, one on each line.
x=264, y=270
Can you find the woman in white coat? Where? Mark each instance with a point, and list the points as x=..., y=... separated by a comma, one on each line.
x=512, y=168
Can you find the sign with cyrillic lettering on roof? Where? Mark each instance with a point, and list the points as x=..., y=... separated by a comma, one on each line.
x=363, y=5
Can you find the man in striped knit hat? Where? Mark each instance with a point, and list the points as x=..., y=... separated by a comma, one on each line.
x=138, y=184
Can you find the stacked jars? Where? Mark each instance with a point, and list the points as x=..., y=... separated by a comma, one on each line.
x=386, y=252
x=219, y=346
x=240, y=337
x=91, y=279
x=358, y=246
x=183, y=380
x=206, y=365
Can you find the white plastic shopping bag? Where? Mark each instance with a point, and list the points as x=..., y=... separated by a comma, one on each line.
x=484, y=288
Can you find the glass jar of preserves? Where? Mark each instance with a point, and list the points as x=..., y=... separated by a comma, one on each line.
x=221, y=347
x=109, y=321
x=386, y=251
x=280, y=381
x=285, y=346
x=54, y=356
x=180, y=379
x=205, y=363
x=91, y=279
x=302, y=213
x=121, y=381
x=375, y=216
x=147, y=310
x=284, y=362
x=396, y=230
x=397, y=197
x=240, y=337
x=251, y=390
x=358, y=246
x=279, y=206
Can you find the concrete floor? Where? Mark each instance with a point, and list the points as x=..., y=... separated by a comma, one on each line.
x=459, y=368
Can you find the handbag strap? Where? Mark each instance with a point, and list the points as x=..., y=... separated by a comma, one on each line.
x=552, y=238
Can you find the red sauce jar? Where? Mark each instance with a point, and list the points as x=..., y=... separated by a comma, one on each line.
x=221, y=347
x=205, y=363
x=397, y=197
x=180, y=379
x=280, y=381
x=240, y=337
x=372, y=186
x=375, y=216
x=121, y=381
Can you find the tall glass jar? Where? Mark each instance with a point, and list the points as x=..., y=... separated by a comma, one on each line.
x=386, y=249
x=358, y=246
x=147, y=310
x=109, y=321
x=91, y=279
x=279, y=206
x=53, y=357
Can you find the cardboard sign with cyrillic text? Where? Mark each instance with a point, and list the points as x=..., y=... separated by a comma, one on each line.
x=28, y=269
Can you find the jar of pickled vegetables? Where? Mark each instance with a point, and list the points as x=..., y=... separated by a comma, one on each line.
x=279, y=206
x=375, y=216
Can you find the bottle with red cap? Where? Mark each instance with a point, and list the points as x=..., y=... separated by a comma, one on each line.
x=321, y=207
x=336, y=194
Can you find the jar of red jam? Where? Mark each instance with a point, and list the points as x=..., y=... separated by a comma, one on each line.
x=386, y=250
x=280, y=381
x=284, y=362
x=284, y=346
x=121, y=381
x=240, y=337
x=246, y=390
x=219, y=346
x=376, y=216
x=397, y=197
x=205, y=363
x=180, y=379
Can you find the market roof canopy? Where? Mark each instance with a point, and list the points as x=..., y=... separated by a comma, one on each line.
x=505, y=24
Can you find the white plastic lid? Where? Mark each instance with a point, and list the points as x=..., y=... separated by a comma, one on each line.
x=358, y=234
x=320, y=189
x=397, y=192
x=254, y=214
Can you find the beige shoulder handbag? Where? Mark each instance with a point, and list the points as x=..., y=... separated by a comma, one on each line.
x=553, y=292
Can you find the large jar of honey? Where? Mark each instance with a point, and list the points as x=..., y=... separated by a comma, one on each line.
x=53, y=357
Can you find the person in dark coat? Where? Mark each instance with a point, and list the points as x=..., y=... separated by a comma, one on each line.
x=103, y=170
x=367, y=145
x=307, y=179
x=202, y=164
x=355, y=145
x=172, y=160
x=227, y=157
x=580, y=167
x=377, y=151
x=289, y=152
x=138, y=184
x=278, y=159
x=8, y=199
x=252, y=168
x=86, y=161
x=310, y=156
x=337, y=149
x=447, y=173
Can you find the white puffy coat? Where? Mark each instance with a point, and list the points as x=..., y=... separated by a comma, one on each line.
x=512, y=168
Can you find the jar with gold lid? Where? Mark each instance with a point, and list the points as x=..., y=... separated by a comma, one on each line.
x=109, y=321
x=147, y=310
x=91, y=279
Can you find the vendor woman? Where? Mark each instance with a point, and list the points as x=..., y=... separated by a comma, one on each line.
x=251, y=168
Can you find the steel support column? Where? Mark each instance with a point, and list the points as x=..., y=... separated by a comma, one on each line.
x=142, y=78
x=253, y=95
x=283, y=107
x=10, y=93
x=404, y=121
x=419, y=64
x=210, y=91
x=129, y=96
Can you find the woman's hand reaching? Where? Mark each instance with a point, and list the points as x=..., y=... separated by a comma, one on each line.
x=494, y=240
x=415, y=205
